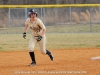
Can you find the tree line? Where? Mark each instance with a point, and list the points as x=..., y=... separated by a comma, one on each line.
x=18, y=2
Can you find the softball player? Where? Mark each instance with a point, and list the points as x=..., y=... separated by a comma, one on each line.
x=38, y=35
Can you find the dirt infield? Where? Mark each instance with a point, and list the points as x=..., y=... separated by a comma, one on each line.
x=67, y=62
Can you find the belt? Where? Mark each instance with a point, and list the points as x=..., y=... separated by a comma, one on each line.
x=36, y=36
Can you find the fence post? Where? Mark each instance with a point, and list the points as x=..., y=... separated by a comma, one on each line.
x=44, y=16
x=9, y=18
x=90, y=19
x=99, y=14
x=70, y=15
x=25, y=13
x=41, y=12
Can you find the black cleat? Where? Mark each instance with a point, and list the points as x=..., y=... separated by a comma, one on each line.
x=51, y=56
x=33, y=64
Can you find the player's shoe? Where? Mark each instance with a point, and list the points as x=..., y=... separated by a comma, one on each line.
x=33, y=64
x=51, y=56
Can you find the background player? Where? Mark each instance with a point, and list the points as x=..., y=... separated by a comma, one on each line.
x=38, y=35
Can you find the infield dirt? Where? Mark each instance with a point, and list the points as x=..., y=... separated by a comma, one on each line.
x=66, y=62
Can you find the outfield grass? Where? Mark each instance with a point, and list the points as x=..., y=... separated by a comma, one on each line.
x=76, y=28
x=54, y=41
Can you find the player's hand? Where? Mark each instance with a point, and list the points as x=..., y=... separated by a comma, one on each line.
x=39, y=38
x=24, y=35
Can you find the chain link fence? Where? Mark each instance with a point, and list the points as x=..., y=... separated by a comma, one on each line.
x=57, y=20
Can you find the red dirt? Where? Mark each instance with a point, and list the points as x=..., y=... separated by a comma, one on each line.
x=66, y=62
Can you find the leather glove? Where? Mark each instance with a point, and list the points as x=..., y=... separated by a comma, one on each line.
x=24, y=35
x=39, y=38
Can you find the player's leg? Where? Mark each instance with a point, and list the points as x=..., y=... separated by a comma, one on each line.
x=50, y=54
x=32, y=55
x=42, y=45
x=43, y=50
x=32, y=44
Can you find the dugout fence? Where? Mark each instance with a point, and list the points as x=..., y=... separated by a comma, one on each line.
x=77, y=18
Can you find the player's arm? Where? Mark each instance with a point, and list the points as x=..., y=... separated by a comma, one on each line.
x=43, y=28
x=40, y=37
x=43, y=32
x=25, y=30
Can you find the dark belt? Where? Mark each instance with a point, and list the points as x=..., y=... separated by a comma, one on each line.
x=36, y=36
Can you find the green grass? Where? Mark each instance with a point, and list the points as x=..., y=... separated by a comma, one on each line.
x=0, y=47
x=54, y=41
x=62, y=41
x=75, y=28
x=11, y=38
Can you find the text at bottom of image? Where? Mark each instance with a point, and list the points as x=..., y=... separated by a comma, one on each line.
x=50, y=72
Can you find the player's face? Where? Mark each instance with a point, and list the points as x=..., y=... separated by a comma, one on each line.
x=32, y=15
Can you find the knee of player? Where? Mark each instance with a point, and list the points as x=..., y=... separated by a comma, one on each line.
x=30, y=50
x=43, y=52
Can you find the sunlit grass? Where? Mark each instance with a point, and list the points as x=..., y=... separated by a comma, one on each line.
x=75, y=28
x=54, y=41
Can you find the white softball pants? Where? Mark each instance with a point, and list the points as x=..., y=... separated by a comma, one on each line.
x=42, y=44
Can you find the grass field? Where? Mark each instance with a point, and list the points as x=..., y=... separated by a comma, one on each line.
x=75, y=28
x=54, y=41
x=58, y=37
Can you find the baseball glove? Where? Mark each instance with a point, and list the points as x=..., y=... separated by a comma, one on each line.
x=24, y=35
x=39, y=38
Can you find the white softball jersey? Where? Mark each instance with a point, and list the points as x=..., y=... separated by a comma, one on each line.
x=36, y=27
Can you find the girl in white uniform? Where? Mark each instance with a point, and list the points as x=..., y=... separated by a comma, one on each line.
x=38, y=35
